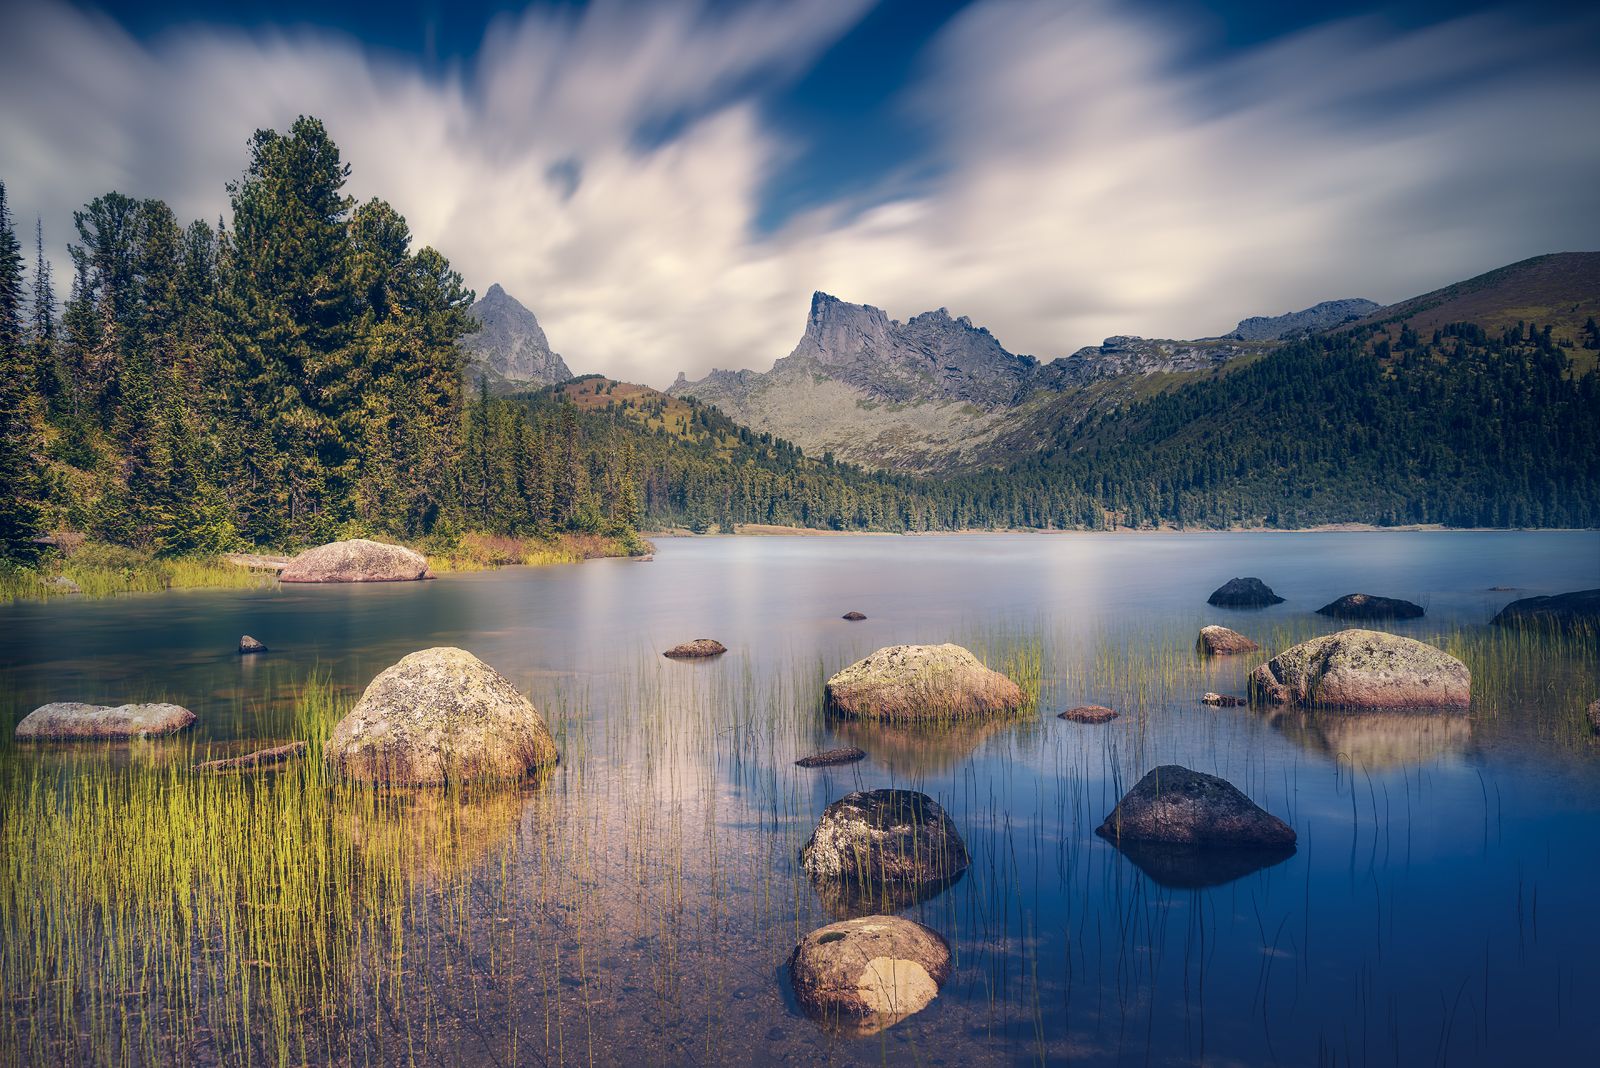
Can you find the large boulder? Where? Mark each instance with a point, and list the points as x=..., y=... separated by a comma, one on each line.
x=67, y=720
x=921, y=682
x=1562, y=611
x=1243, y=593
x=1368, y=606
x=1176, y=806
x=1220, y=641
x=696, y=650
x=440, y=715
x=863, y=975
x=885, y=845
x=1363, y=669
x=356, y=560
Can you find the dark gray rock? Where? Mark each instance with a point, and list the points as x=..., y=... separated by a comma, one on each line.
x=698, y=649
x=854, y=617
x=848, y=754
x=1177, y=806
x=1562, y=611
x=1243, y=593
x=509, y=349
x=874, y=841
x=1368, y=606
x=1088, y=714
x=261, y=758
x=1221, y=700
x=1318, y=317
x=249, y=646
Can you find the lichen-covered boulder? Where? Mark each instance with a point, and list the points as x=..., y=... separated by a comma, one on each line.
x=1363, y=669
x=1177, y=806
x=696, y=650
x=356, y=560
x=861, y=976
x=68, y=720
x=1562, y=611
x=921, y=682
x=1243, y=593
x=440, y=715
x=899, y=839
x=1368, y=606
x=1221, y=700
x=1220, y=641
x=1089, y=714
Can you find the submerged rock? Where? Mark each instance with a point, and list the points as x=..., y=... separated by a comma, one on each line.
x=1177, y=806
x=259, y=759
x=440, y=715
x=1088, y=714
x=845, y=755
x=72, y=719
x=854, y=617
x=1363, y=669
x=873, y=839
x=1243, y=593
x=861, y=976
x=1561, y=611
x=1367, y=606
x=1221, y=700
x=248, y=645
x=1220, y=641
x=697, y=649
x=356, y=560
x=921, y=682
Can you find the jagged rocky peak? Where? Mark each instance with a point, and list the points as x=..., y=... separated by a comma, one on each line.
x=1324, y=316
x=510, y=349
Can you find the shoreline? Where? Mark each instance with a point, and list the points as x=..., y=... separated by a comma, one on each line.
x=762, y=530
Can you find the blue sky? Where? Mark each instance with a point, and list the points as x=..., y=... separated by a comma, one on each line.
x=665, y=183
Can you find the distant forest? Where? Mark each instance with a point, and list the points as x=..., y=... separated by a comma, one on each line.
x=291, y=375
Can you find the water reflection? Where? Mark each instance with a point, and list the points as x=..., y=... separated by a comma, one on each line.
x=1184, y=867
x=924, y=750
x=426, y=831
x=1376, y=739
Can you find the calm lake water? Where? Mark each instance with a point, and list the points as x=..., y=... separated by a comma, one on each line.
x=638, y=904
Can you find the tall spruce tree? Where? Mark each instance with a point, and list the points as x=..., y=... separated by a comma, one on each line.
x=19, y=427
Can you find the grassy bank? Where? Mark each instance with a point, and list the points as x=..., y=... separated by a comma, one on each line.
x=479, y=552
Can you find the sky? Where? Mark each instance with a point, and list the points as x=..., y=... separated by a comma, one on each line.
x=666, y=183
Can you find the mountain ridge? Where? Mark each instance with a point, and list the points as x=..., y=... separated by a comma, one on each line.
x=509, y=351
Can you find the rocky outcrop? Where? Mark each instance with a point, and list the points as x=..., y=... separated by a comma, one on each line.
x=261, y=758
x=1367, y=606
x=1221, y=700
x=356, y=560
x=863, y=975
x=1243, y=593
x=696, y=650
x=1220, y=641
x=72, y=720
x=1318, y=317
x=1088, y=714
x=1363, y=669
x=249, y=646
x=921, y=682
x=854, y=617
x=509, y=350
x=440, y=715
x=896, y=840
x=1176, y=806
x=1593, y=713
x=848, y=754
x=1562, y=611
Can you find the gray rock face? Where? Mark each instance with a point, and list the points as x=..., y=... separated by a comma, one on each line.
x=861, y=976
x=1363, y=669
x=921, y=682
x=1324, y=316
x=66, y=720
x=1177, y=806
x=1125, y=355
x=440, y=715
x=1562, y=611
x=896, y=841
x=356, y=560
x=1368, y=606
x=509, y=348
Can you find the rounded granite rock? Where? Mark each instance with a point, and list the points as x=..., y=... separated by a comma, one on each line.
x=1177, y=806
x=356, y=560
x=73, y=720
x=1220, y=641
x=1369, y=606
x=1363, y=669
x=698, y=649
x=1243, y=593
x=921, y=682
x=874, y=838
x=863, y=975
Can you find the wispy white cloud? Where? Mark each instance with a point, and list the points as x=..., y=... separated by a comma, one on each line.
x=1090, y=181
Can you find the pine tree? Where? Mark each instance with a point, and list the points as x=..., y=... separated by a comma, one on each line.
x=19, y=428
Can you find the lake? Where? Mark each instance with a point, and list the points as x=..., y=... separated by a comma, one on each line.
x=637, y=903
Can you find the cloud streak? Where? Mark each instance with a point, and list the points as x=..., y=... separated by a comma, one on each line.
x=607, y=166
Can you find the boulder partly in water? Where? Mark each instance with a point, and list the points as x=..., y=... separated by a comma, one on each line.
x=1177, y=806
x=1561, y=611
x=1088, y=714
x=921, y=682
x=1220, y=641
x=70, y=720
x=249, y=646
x=698, y=649
x=440, y=715
x=1363, y=669
x=1243, y=593
x=848, y=754
x=1369, y=606
x=854, y=617
x=356, y=560
x=899, y=839
x=861, y=976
